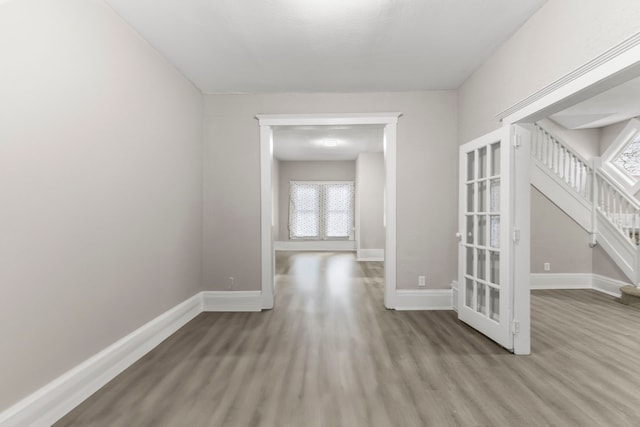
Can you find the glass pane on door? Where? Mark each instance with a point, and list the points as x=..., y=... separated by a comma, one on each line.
x=482, y=223
x=489, y=202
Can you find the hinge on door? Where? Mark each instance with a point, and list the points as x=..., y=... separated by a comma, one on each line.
x=516, y=140
x=515, y=326
x=516, y=235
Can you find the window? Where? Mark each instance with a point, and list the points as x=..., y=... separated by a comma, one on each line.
x=321, y=210
x=622, y=159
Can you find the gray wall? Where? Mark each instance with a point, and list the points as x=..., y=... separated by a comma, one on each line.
x=427, y=176
x=100, y=182
x=557, y=239
x=370, y=195
x=605, y=266
x=307, y=171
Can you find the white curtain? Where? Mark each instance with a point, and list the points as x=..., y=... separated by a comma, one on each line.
x=321, y=210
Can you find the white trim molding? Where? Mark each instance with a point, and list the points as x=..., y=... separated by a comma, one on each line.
x=328, y=119
x=424, y=299
x=614, y=66
x=315, y=245
x=370, y=255
x=596, y=282
x=231, y=300
x=50, y=403
x=561, y=281
x=607, y=285
x=454, y=295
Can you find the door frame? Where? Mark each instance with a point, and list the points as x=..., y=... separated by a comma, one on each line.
x=267, y=257
x=617, y=65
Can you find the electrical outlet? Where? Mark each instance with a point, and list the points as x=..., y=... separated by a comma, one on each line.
x=547, y=266
x=231, y=283
x=422, y=281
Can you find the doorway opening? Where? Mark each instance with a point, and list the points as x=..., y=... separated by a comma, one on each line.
x=614, y=67
x=272, y=229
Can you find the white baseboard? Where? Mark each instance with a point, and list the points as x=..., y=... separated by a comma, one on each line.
x=596, y=282
x=608, y=285
x=454, y=295
x=231, y=301
x=370, y=255
x=423, y=299
x=561, y=281
x=315, y=245
x=50, y=403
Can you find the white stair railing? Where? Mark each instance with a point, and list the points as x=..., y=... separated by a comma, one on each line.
x=615, y=215
x=564, y=162
x=621, y=210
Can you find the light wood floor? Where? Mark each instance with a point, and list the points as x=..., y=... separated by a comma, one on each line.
x=329, y=354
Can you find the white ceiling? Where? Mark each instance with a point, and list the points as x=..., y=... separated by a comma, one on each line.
x=308, y=142
x=613, y=106
x=325, y=45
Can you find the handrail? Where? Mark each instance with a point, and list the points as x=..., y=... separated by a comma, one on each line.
x=622, y=211
x=618, y=188
x=579, y=156
x=563, y=161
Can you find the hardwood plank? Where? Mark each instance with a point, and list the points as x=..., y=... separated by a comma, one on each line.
x=329, y=354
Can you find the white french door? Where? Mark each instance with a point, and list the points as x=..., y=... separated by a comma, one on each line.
x=488, y=236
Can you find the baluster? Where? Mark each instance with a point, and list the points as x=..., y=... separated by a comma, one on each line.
x=598, y=195
x=568, y=168
x=583, y=181
x=605, y=198
x=580, y=175
x=588, y=181
x=554, y=150
x=612, y=205
x=632, y=225
x=544, y=148
x=541, y=145
x=624, y=207
x=618, y=210
x=609, y=202
x=547, y=141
